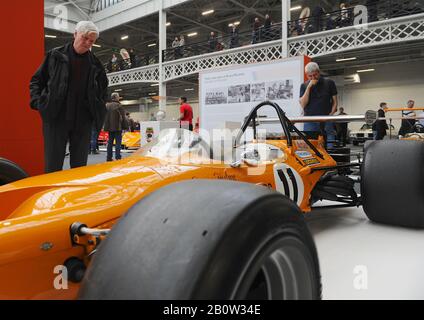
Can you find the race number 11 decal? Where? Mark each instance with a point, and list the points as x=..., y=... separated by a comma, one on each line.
x=288, y=182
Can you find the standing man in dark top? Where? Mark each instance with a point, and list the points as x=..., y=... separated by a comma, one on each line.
x=212, y=42
x=379, y=128
x=372, y=10
x=267, y=28
x=186, y=113
x=69, y=90
x=318, y=97
x=318, y=18
x=234, y=37
x=256, y=30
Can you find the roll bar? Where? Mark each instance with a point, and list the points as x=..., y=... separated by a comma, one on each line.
x=286, y=124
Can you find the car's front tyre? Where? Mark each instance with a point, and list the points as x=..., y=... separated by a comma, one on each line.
x=207, y=239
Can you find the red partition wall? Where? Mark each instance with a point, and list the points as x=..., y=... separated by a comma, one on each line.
x=22, y=51
x=306, y=60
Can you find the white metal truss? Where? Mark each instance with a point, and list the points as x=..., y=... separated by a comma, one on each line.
x=377, y=33
x=147, y=74
x=251, y=54
x=314, y=45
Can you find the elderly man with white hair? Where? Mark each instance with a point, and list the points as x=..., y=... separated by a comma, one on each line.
x=69, y=91
x=318, y=97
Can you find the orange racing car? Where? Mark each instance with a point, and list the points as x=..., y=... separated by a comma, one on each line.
x=177, y=221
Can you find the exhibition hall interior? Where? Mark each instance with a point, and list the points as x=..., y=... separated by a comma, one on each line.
x=213, y=150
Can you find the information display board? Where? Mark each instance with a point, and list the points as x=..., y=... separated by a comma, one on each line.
x=229, y=94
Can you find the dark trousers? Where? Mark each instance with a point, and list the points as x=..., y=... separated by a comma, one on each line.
x=117, y=136
x=341, y=130
x=56, y=137
x=94, y=138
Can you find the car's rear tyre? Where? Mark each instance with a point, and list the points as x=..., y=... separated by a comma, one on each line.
x=10, y=172
x=207, y=239
x=392, y=182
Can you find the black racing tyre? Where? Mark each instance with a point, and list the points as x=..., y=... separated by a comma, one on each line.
x=392, y=182
x=10, y=172
x=207, y=239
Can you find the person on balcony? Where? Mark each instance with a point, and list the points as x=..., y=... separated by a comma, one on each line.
x=113, y=65
x=340, y=19
x=256, y=31
x=69, y=91
x=212, y=42
x=267, y=28
x=181, y=46
x=126, y=61
x=176, y=47
x=372, y=10
x=318, y=18
x=133, y=58
x=318, y=97
x=299, y=27
x=234, y=37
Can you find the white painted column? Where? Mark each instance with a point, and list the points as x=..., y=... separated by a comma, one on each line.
x=162, y=46
x=285, y=14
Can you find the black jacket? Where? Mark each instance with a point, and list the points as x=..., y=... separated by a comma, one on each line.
x=49, y=86
x=380, y=125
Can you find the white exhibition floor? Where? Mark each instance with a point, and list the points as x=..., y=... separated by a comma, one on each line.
x=345, y=239
x=391, y=258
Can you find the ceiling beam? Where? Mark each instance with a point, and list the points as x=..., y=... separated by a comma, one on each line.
x=93, y=5
x=80, y=9
x=195, y=22
x=247, y=9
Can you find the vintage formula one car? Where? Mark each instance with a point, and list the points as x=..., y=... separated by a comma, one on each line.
x=175, y=221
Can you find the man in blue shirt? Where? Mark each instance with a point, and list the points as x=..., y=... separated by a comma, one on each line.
x=318, y=97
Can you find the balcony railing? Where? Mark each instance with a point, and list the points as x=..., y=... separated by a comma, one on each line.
x=103, y=4
x=396, y=30
x=231, y=41
x=376, y=11
x=137, y=61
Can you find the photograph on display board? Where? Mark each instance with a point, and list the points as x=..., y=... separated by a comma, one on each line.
x=216, y=96
x=257, y=92
x=239, y=94
x=280, y=90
